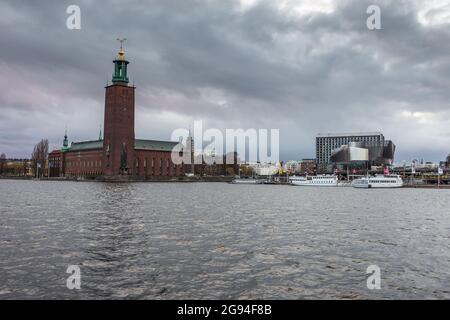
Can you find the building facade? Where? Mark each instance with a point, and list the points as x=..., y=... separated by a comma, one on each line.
x=54, y=163
x=119, y=153
x=16, y=167
x=308, y=167
x=328, y=146
x=302, y=167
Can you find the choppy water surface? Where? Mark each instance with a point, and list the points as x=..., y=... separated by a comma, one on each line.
x=207, y=240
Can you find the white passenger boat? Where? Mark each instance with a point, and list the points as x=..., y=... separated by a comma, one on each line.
x=387, y=181
x=315, y=181
x=346, y=184
x=247, y=181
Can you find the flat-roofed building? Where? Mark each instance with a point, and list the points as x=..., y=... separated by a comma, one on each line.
x=332, y=148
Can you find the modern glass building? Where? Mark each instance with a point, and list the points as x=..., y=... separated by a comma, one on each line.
x=342, y=148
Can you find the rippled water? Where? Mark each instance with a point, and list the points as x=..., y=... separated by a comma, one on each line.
x=208, y=240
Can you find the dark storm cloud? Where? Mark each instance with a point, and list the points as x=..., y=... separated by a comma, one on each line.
x=261, y=66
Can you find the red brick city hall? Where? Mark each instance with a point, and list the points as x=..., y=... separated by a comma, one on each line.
x=119, y=153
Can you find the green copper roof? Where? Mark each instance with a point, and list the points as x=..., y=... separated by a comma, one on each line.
x=86, y=145
x=154, y=145
x=139, y=144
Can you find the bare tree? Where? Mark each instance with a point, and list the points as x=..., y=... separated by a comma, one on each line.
x=39, y=156
x=2, y=162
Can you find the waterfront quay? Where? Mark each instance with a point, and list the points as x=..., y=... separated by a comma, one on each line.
x=426, y=186
x=127, y=179
x=278, y=181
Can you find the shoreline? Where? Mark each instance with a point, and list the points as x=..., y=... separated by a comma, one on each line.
x=185, y=180
x=129, y=179
x=426, y=186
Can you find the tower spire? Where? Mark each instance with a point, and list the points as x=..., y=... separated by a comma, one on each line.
x=121, y=54
x=65, y=142
x=121, y=42
x=120, y=66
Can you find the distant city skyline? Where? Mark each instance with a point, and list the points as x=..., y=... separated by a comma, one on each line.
x=304, y=67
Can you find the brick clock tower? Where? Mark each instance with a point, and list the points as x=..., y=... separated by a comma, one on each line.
x=118, y=143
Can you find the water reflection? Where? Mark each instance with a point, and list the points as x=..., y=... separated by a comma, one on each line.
x=115, y=245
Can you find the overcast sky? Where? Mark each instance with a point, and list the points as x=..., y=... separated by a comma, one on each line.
x=301, y=66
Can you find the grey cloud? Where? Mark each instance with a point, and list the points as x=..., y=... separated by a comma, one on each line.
x=265, y=68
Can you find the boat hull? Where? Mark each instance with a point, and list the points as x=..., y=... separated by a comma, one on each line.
x=246, y=181
x=315, y=181
x=300, y=184
x=371, y=186
x=384, y=182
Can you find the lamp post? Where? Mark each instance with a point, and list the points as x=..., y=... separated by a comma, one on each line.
x=440, y=172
